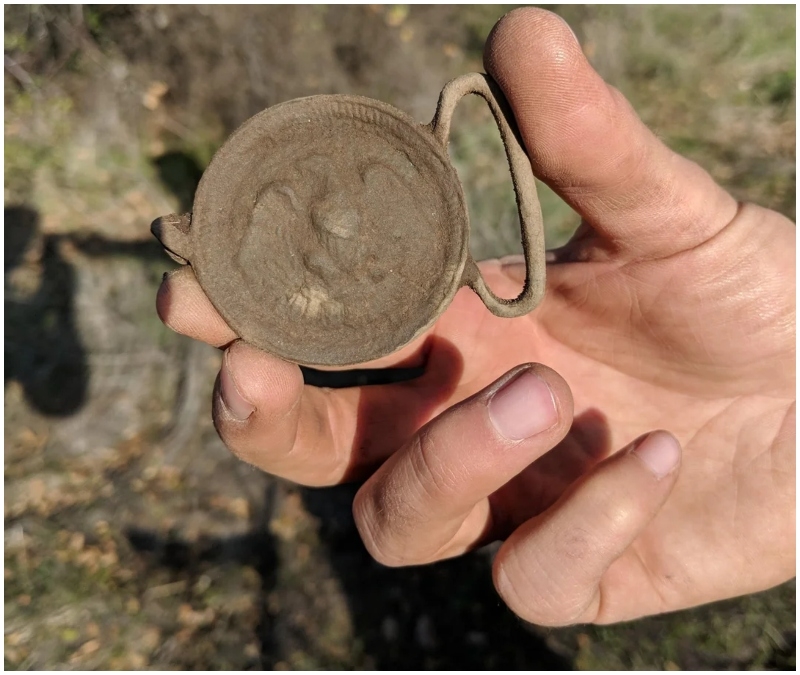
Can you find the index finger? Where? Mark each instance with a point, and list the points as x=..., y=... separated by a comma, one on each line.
x=586, y=142
x=319, y=436
x=184, y=307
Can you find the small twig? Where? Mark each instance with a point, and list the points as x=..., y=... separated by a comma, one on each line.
x=181, y=131
x=165, y=590
x=20, y=74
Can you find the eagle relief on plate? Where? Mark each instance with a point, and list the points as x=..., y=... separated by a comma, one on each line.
x=333, y=230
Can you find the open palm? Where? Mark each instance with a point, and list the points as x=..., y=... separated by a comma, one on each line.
x=671, y=308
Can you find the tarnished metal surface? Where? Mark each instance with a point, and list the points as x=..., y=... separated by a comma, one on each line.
x=332, y=230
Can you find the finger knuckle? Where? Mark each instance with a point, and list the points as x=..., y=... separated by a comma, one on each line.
x=507, y=586
x=616, y=518
x=575, y=543
x=602, y=538
x=522, y=597
x=619, y=518
x=434, y=477
x=536, y=592
x=372, y=518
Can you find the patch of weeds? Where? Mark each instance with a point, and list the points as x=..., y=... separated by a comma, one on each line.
x=767, y=29
x=776, y=88
x=97, y=18
x=35, y=131
x=734, y=634
x=21, y=161
x=16, y=41
x=93, y=18
x=477, y=21
x=479, y=157
x=560, y=221
x=651, y=66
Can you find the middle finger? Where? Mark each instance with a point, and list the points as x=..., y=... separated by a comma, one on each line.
x=430, y=499
x=320, y=436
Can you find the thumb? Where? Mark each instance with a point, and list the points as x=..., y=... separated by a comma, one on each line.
x=586, y=142
x=575, y=563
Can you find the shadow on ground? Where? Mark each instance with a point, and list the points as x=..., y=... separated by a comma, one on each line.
x=43, y=348
x=443, y=616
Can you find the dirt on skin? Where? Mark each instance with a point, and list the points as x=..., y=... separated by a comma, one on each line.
x=133, y=539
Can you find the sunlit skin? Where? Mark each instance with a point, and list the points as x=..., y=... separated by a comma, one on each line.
x=671, y=309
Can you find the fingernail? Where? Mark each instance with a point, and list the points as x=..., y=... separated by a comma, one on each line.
x=523, y=407
x=237, y=405
x=165, y=281
x=660, y=452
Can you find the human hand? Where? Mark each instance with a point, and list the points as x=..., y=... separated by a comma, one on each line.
x=672, y=308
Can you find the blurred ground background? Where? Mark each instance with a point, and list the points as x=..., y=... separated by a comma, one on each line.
x=132, y=538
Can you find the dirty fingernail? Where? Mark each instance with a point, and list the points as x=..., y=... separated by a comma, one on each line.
x=166, y=284
x=523, y=407
x=660, y=452
x=169, y=274
x=237, y=405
